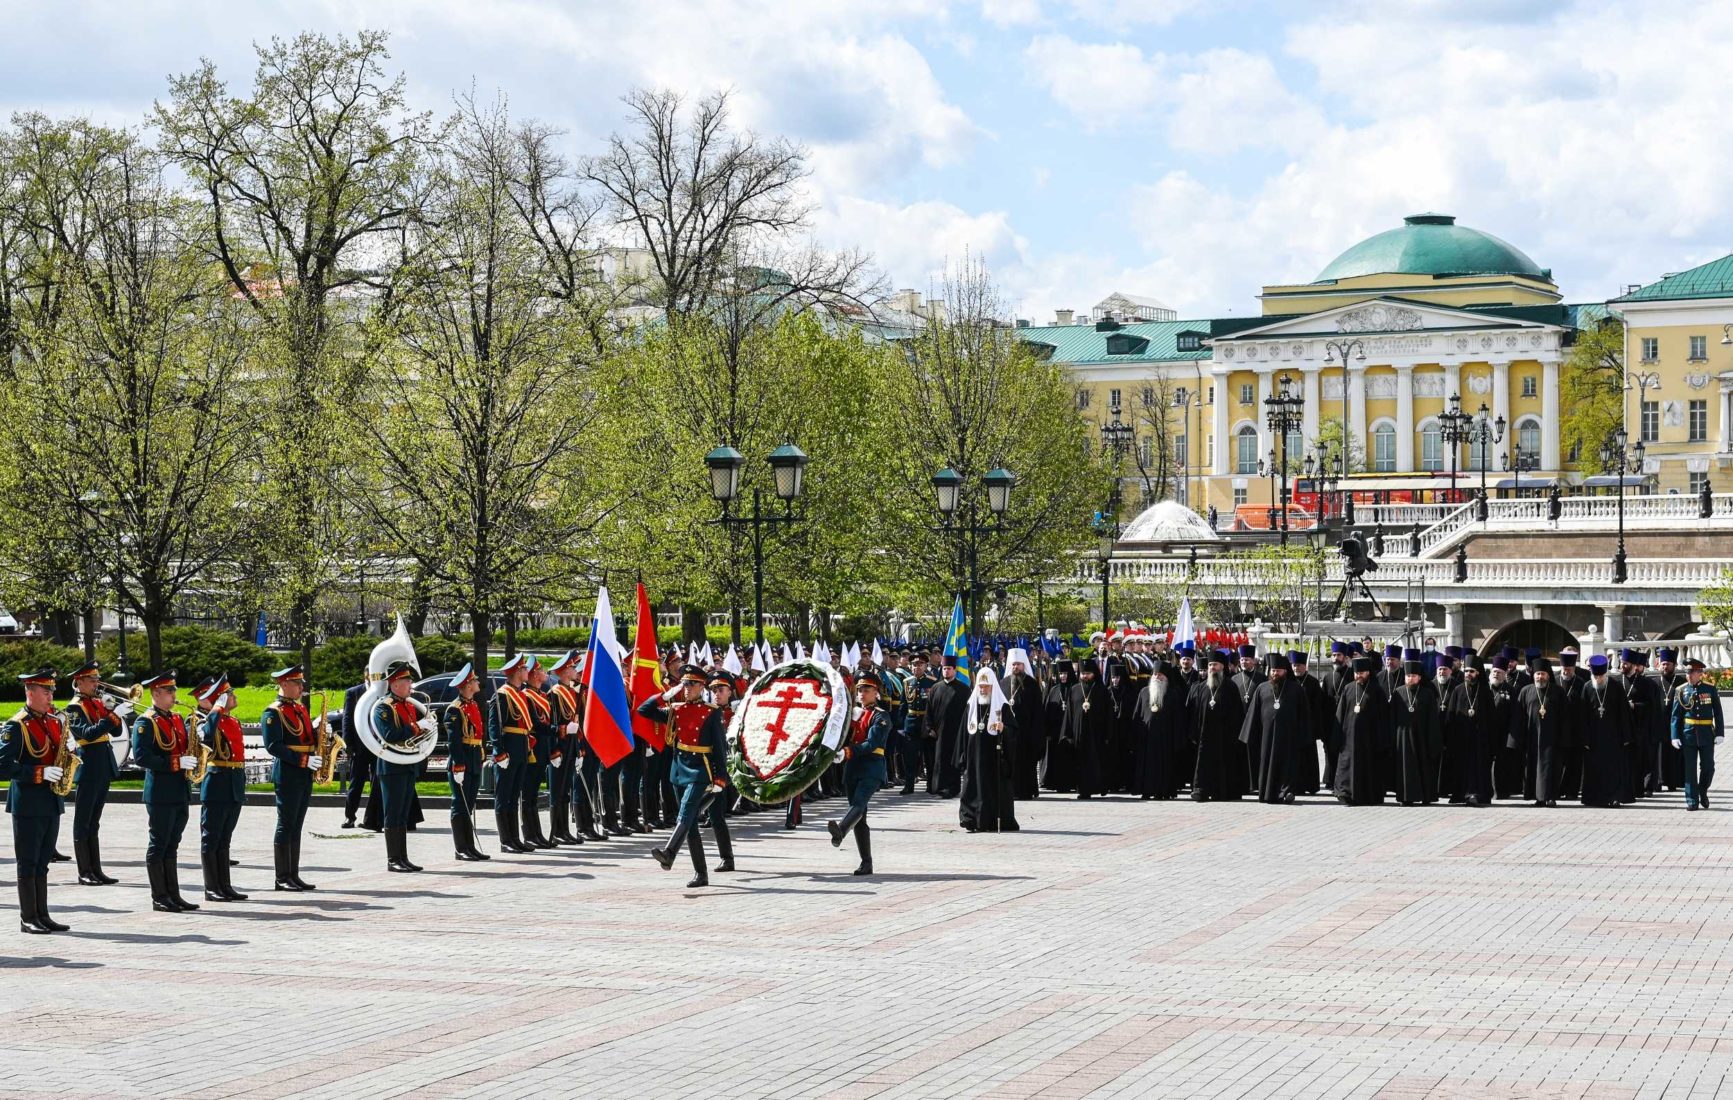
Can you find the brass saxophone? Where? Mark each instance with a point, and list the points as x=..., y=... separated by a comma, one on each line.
x=196, y=747
x=326, y=741
x=66, y=760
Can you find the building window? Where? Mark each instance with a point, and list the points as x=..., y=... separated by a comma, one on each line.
x=1083, y=399
x=1212, y=394
x=1575, y=454
x=1149, y=396
x=1188, y=341
x=1210, y=443
x=1528, y=386
x=1145, y=451
x=1181, y=452
x=1699, y=421
x=1245, y=393
x=1699, y=478
x=1113, y=399
x=1296, y=449
x=1699, y=347
x=1246, y=458
x=1181, y=396
x=1431, y=447
x=1651, y=349
x=1239, y=497
x=1651, y=422
x=1528, y=439
x=1384, y=449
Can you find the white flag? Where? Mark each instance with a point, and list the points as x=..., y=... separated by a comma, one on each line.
x=731, y=662
x=756, y=661
x=878, y=655
x=1183, y=631
x=800, y=650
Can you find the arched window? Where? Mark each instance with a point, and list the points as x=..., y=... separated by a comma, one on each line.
x=1384, y=448
x=1246, y=450
x=1431, y=446
x=1528, y=440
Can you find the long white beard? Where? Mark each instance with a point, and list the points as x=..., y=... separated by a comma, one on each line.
x=1215, y=680
x=1157, y=691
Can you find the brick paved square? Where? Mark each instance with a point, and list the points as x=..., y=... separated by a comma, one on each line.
x=1112, y=948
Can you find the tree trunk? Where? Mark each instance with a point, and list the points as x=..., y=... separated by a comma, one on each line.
x=510, y=635
x=694, y=624
x=153, y=616
x=90, y=632
x=480, y=634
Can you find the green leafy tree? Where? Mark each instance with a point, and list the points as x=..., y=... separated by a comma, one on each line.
x=1592, y=392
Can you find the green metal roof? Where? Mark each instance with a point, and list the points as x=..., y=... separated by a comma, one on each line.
x=1431, y=244
x=1083, y=344
x=1711, y=280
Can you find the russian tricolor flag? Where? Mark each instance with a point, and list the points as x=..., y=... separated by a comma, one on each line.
x=607, y=712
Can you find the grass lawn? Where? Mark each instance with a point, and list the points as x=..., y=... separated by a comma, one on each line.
x=434, y=787
x=250, y=702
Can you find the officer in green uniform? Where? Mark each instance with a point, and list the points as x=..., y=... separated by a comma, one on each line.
x=698, y=743
x=510, y=724
x=294, y=748
x=896, y=706
x=915, y=747
x=94, y=729
x=562, y=694
x=1697, y=729
x=397, y=718
x=464, y=734
x=29, y=747
x=540, y=756
x=863, y=767
x=224, y=790
x=162, y=745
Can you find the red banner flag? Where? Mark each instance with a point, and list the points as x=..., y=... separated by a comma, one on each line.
x=645, y=681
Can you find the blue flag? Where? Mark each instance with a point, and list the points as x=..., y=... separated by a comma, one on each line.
x=957, y=643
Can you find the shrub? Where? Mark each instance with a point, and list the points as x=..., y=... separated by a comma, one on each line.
x=341, y=662
x=560, y=637
x=194, y=652
x=28, y=655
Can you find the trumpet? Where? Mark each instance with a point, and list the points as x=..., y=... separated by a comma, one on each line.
x=327, y=744
x=66, y=760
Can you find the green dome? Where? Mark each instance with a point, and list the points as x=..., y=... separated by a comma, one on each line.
x=1431, y=244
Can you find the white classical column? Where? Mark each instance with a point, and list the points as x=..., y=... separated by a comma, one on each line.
x=1224, y=445
x=1405, y=417
x=1501, y=407
x=1453, y=382
x=1266, y=390
x=1726, y=428
x=1549, y=415
x=1309, y=414
x=1453, y=624
x=1357, y=410
x=1613, y=623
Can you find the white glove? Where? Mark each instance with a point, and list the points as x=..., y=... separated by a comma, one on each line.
x=315, y=762
x=124, y=713
x=457, y=776
x=673, y=693
x=1718, y=740
x=1677, y=745
x=52, y=774
x=188, y=763
x=649, y=750
x=572, y=728
x=555, y=760
x=502, y=764
x=426, y=725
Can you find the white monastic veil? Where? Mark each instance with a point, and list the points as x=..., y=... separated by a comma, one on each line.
x=993, y=708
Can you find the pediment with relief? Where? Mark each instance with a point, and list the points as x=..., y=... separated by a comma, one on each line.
x=1380, y=315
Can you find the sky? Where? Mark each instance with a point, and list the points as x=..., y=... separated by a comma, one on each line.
x=1187, y=150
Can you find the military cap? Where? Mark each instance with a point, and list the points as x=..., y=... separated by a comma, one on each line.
x=692, y=674
x=214, y=689
x=566, y=660
x=88, y=668
x=399, y=670
x=462, y=676
x=164, y=679
x=871, y=679
x=1692, y=662
x=293, y=672
x=42, y=677
x=518, y=662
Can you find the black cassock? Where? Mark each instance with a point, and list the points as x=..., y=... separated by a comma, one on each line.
x=1090, y=727
x=1361, y=742
x=1158, y=726
x=1306, y=779
x=1571, y=751
x=1506, y=757
x=947, y=704
x=1117, y=763
x=1213, y=717
x=1540, y=736
x=1669, y=761
x=986, y=804
x=1024, y=695
x=1418, y=742
x=1471, y=739
x=1059, y=766
x=1642, y=698
x=1246, y=683
x=1278, y=725
x=1602, y=726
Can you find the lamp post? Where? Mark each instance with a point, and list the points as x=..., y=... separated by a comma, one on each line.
x=1483, y=432
x=948, y=487
x=1453, y=431
x=1614, y=456
x=788, y=474
x=1335, y=350
x=1284, y=413
x=1525, y=460
x=1327, y=470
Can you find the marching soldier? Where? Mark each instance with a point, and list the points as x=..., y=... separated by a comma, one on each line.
x=464, y=733
x=162, y=744
x=539, y=760
x=29, y=748
x=722, y=689
x=289, y=738
x=510, y=722
x=224, y=790
x=399, y=714
x=563, y=763
x=93, y=727
x=699, y=744
x=1697, y=729
x=863, y=768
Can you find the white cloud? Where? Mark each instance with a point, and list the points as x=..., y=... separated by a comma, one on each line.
x=916, y=242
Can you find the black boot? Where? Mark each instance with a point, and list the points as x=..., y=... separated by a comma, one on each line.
x=695, y=844
x=840, y=829
x=295, y=865
x=463, y=835
x=530, y=819
x=506, y=825
x=171, y=877
x=96, y=871
x=213, y=877
x=397, y=851
x=81, y=849
x=665, y=854
x=611, y=824
x=724, y=847
x=42, y=916
x=28, y=918
x=57, y=857
x=159, y=899
x=863, y=840
x=281, y=855
x=229, y=891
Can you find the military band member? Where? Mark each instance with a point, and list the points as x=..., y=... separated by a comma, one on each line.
x=509, y=727
x=464, y=734
x=539, y=759
x=699, y=746
x=288, y=734
x=1697, y=729
x=94, y=728
x=863, y=768
x=224, y=790
x=162, y=745
x=722, y=688
x=398, y=714
x=563, y=763
x=29, y=749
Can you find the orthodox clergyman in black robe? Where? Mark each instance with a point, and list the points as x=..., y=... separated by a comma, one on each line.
x=947, y=703
x=1472, y=735
x=1418, y=741
x=1117, y=762
x=1278, y=724
x=1090, y=728
x=1160, y=721
x=1603, y=731
x=1059, y=767
x=1362, y=736
x=1538, y=725
x=1213, y=716
x=1338, y=676
x=1643, y=698
x=1506, y=757
x=1306, y=778
x=1024, y=694
x=1669, y=761
x=986, y=804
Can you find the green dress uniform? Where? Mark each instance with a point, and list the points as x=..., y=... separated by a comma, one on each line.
x=698, y=746
x=563, y=700
x=221, y=796
x=509, y=725
x=289, y=738
x=29, y=744
x=159, y=740
x=397, y=720
x=916, y=747
x=863, y=772
x=539, y=758
x=94, y=729
x=464, y=735
x=1697, y=728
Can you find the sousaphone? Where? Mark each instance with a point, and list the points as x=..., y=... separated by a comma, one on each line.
x=419, y=745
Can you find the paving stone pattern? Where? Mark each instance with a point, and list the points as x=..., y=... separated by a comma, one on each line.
x=1112, y=948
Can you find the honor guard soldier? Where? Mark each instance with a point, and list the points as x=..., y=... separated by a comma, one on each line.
x=224, y=790
x=698, y=747
x=722, y=689
x=916, y=747
x=163, y=746
x=863, y=768
x=540, y=758
x=31, y=749
x=289, y=738
x=563, y=763
x=398, y=713
x=464, y=734
x=1697, y=729
x=94, y=727
x=509, y=727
